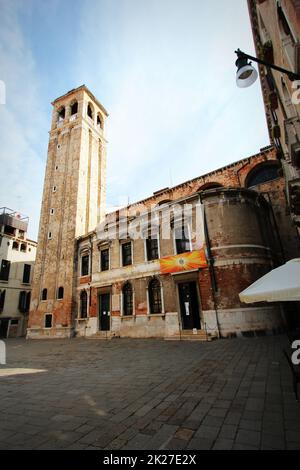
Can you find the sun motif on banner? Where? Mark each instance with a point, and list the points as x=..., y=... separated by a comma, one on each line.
x=183, y=262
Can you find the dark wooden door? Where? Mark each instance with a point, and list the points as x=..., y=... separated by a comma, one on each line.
x=189, y=305
x=104, y=312
x=3, y=327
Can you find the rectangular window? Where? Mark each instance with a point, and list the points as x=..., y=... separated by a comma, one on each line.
x=22, y=301
x=182, y=239
x=85, y=261
x=4, y=271
x=26, y=273
x=48, y=320
x=104, y=254
x=152, y=248
x=14, y=322
x=2, y=300
x=126, y=254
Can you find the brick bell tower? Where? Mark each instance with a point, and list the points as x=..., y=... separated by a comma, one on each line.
x=73, y=204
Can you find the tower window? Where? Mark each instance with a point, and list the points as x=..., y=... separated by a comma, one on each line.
x=99, y=121
x=26, y=273
x=48, y=320
x=51, y=211
x=60, y=292
x=44, y=294
x=85, y=265
x=61, y=114
x=127, y=299
x=83, y=304
x=49, y=235
x=90, y=111
x=74, y=108
x=54, y=189
x=155, y=296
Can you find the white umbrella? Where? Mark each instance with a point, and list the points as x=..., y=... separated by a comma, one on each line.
x=279, y=285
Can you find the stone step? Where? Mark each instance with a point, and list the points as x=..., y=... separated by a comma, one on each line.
x=100, y=335
x=188, y=335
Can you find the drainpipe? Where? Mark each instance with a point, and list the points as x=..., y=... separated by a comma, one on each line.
x=211, y=266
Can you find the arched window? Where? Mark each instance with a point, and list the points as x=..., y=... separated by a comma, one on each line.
x=154, y=291
x=90, y=111
x=266, y=171
x=61, y=113
x=211, y=185
x=83, y=304
x=60, y=292
x=127, y=299
x=44, y=294
x=99, y=121
x=23, y=247
x=74, y=108
x=15, y=246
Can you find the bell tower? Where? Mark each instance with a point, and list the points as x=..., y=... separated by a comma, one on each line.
x=73, y=204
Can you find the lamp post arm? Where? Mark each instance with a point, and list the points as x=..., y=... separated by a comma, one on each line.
x=292, y=76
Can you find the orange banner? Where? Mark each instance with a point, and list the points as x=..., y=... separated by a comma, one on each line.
x=183, y=262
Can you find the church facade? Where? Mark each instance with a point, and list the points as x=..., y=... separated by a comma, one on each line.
x=169, y=266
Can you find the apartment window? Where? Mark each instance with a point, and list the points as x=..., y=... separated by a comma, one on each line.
x=2, y=299
x=283, y=23
x=126, y=254
x=83, y=304
x=26, y=273
x=22, y=301
x=23, y=247
x=44, y=294
x=21, y=233
x=152, y=248
x=182, y=239
x=154, y=291
x=15, y=246
x=127, y=299
x=104, y=260
x=85, y=261
x=60, y=292
x=4, y=271
x=48, y=320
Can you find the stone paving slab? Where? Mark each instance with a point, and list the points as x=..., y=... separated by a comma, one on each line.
x=148, y=394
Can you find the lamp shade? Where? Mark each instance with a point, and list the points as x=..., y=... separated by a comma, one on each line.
x=246, y=76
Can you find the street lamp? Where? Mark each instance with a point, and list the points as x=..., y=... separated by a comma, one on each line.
x=247, y=74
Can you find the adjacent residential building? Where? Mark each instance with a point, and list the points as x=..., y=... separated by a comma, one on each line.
x=276, y=32
x=169, y=266
x=17, y=255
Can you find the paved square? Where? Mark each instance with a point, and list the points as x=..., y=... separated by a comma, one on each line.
x=148, y=394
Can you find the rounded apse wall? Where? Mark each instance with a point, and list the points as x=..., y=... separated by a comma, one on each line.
x=242, y=243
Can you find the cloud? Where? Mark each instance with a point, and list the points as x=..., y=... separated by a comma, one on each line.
x=22, y=120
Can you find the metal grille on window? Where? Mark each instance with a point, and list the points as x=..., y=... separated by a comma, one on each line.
x=127, y=299
x=83, y=304
x=155, y=296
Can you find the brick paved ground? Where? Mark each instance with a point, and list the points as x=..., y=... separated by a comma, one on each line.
x=148, y=394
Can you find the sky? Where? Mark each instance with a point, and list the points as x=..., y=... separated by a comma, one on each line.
x=164, y=70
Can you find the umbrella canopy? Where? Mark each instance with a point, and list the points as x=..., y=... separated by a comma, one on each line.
x=279, y=285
